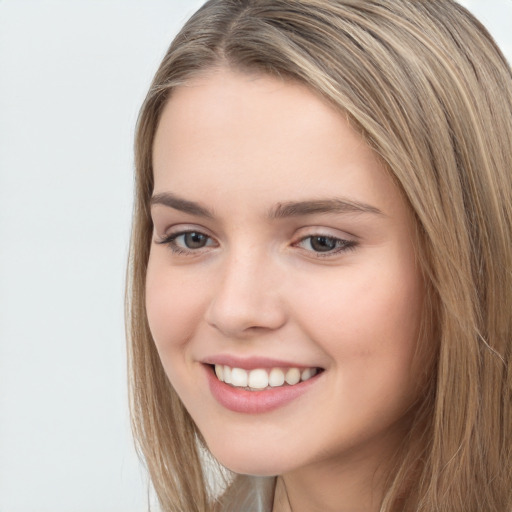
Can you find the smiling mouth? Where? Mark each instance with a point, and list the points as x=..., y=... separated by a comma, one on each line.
x=261, y=379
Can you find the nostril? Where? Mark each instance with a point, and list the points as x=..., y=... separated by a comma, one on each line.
x=243, y=306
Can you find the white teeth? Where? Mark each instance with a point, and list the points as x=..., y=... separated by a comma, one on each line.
x=239, y=377
x=308, y=373
x=260, y=378
x=292, y=376
x=276, y=377
x=227, y=374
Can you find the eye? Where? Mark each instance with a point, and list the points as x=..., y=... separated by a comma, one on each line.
x=192, y=240
x=187, y=241
x=325, y=245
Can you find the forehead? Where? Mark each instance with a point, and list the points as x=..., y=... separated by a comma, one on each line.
x=228, y=108
x=227, y=135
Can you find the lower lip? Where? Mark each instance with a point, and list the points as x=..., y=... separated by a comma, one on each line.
x=255, y=402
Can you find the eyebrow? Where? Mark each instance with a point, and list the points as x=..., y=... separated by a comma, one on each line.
x=280, y=211
x=311, y=207
x=183, y=205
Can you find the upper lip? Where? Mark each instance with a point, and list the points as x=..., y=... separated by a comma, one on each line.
x=252, y=363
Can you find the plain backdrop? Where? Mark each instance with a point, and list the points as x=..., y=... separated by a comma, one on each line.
x=73, y=74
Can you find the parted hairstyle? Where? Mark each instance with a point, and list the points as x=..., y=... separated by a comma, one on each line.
x=431, y=93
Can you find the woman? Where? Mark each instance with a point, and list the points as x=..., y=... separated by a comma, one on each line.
x=320, y=273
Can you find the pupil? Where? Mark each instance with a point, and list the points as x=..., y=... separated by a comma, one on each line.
x=323, y=243
x=195, y=240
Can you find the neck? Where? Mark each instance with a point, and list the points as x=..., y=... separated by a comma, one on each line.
x=324, y=492
x=341, y=484
x=353, y=480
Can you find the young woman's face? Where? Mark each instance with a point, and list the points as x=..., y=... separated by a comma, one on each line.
x=282, y=250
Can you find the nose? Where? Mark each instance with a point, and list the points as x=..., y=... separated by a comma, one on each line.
x=247, y=298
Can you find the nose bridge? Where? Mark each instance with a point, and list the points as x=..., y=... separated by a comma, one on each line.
x=246, y=296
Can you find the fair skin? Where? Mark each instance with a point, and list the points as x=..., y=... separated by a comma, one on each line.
x=281, y=242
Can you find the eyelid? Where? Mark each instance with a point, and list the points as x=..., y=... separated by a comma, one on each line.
x=344, y=242
x=169, y=239
x=170, y=230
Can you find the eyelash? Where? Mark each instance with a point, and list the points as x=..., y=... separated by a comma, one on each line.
x=341, y=245
x=170, y=241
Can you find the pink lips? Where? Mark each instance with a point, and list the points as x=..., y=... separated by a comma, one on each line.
x=254, y=402
x=251, y=363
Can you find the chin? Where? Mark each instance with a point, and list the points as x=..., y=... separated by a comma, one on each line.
x=255, y=462
x=253, y=468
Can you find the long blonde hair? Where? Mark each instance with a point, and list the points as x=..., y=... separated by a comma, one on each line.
x=431, y=93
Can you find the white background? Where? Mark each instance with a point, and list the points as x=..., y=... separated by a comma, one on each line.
x=73, y=74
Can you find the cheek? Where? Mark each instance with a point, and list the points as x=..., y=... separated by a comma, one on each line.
x=172, y=307
x=367, y=320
